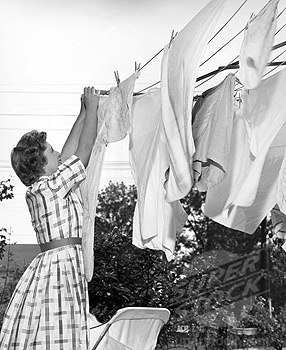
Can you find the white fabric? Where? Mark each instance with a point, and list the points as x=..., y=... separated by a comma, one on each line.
x=281, y=187
x=155, y=221
x=113, y=123
x=179, y=71
x=135, y=328
x=247, y=193
x=278, y=213
x=278, y=222
x=212, y=130
x=257, y=45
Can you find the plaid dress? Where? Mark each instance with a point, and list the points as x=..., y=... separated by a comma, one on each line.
x=49, y=307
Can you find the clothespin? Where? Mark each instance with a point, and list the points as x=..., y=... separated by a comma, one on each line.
x=137, y=68
x=171, y=39
x=237, y=81
x=117, y=78
x=238, y=98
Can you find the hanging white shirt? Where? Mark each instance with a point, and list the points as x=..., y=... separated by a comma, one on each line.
x=212, y=129
x=247, y=193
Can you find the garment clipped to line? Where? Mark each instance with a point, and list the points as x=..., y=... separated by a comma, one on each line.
x=155, y=221
x=278, y=213
x=212, y=129
x=180, y=64
x=279, y=224
x=281, y=187
x=257, y=44
x=248, y=191
x=113, y=124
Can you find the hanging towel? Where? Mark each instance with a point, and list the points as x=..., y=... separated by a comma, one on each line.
x=113, y=124
x=155, y=221
x=180, y=64
x=257, y=45
x=247, y=193
x=212, y=130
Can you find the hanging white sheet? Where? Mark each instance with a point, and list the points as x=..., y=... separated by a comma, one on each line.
x=155, y=221
x=179, y=71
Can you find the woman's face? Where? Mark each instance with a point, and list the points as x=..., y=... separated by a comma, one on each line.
x=53, y=160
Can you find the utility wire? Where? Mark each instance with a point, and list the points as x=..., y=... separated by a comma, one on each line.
x=219, y=71
x=103, y=92
x=151, y=59
x=36, y=115
x=273, y=48
x=281, y=12
x=216, y=51
x=227, y=21
x=209, y=40
x=281, y=64
x=222, y=47
x=148, y=87
x=280, y=28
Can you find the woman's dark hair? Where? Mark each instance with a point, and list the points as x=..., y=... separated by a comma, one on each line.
x=28, y=158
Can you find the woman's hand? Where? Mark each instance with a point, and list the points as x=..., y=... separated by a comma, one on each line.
x=91, y=98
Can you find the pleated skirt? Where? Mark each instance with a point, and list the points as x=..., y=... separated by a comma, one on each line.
x=49, y=307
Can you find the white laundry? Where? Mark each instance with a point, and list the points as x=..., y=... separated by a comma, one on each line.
x=281, y=187
x=278, y=213
x=278, y=222
x=266, y=107
x=179, y=71
x=212, y=129
x=113, y=124
x=247, y=193
x=155, y=221
x=257, y=45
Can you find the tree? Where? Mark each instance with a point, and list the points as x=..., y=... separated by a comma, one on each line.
x=125, y=275
x=6, y=192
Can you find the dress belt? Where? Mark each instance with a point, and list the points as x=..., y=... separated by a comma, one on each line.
x=59, y=243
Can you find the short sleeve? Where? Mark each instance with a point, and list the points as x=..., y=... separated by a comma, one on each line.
x=68, y=174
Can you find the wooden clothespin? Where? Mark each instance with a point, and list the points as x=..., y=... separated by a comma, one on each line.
x=238, y=97
x=117, y=77
x=137, y=68
x=172, y=37
x=237, y=81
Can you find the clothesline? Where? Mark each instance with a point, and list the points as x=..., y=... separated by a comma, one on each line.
x=106, y=92
x=235, y=65
x=218, y=71
x=209, y=40
x=230, y=65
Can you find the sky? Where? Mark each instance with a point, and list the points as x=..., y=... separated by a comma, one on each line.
x=51, y=49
